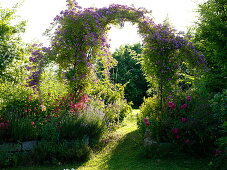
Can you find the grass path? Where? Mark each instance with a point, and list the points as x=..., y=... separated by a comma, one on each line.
x=107, y=156
x=124, y=151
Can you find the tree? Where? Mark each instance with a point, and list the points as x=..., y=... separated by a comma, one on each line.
x=11, y=46
x=128, y=71
x=210, y=38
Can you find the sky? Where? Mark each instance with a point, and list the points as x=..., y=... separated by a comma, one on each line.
x=40, y=13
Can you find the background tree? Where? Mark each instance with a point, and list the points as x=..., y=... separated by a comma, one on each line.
x=128, y=71
x=210, y=38
x=13, y=56
x=11, y=46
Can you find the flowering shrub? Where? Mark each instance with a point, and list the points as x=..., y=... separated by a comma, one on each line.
x=187, y=124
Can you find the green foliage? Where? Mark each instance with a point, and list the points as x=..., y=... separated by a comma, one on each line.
x=218, y=105
x=11, y=47
x=88, y=128
x=115, y=106
x=128, y=71
x=50, y=152
x=12, y=159
x=150, y=107
x=211, y=40
x=220, y=155
x=20, y=114
x=52, y=87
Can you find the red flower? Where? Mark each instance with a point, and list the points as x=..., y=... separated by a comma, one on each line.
x=172, y=105
x=175, y=130
x=78, y=106
x=146, y=122
x=4, y=125
x=183, y=106
x=177, y=136
x=183, y=119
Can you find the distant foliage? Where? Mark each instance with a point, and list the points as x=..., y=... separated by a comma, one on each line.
x=11, y=46
x=218, y=105
x=128, y=71
x=210, y=38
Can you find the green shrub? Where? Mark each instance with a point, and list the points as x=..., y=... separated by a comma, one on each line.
x=50, y=152
x=218, y=105
x=220, y=154
x=13, y=159
x=115, y=106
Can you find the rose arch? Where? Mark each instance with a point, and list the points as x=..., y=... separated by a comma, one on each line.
x=79, y=46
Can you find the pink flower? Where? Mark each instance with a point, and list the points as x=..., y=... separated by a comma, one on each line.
x=177, y=136
x=175, y=130
x=84, y=98
x=183, y=119
x=186, y=141
x=188, y=98
x=183, y=106
x=172, y=105
x=146, y=122
x=33, y=123
x=4, y=125
x=78, y=106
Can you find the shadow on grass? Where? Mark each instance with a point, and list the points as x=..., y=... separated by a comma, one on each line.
x=129, y=154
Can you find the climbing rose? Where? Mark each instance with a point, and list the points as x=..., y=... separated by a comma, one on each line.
x=172, y=105
x=183, y=106
x=146, y=122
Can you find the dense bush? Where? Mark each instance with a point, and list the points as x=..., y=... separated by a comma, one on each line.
x=52, y=152
x=220, y=154
x=187, y=122
x=66, y=132
x=11, y=46
x=115, y=106
x=211, y=40
x=218, y=105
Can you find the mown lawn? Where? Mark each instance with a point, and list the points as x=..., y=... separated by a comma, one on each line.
x=125, y=152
